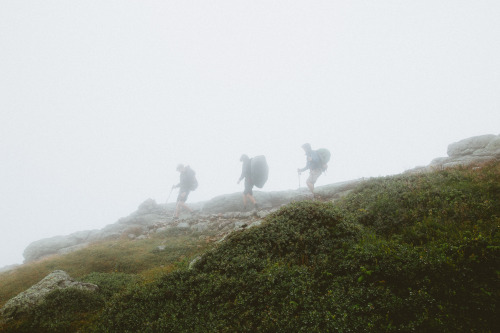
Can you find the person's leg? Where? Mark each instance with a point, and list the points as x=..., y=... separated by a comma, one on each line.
x=252, y=199
x=244, y=200
x=310, y=182
x=310, y=186
x=181, y=203
x=247, y=193
x=177, y=209
x=184, y=206
x=313, y=176
x=250, y=195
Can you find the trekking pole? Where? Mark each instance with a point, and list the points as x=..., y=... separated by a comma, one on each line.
x=175, y=207
x=169, y=195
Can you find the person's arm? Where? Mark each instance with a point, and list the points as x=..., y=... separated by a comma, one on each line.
x=308, y=164
x=181, y=181
x=243, y=171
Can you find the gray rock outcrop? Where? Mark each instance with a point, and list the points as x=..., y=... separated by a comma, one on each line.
x=477, y=149
x=152, y=216
x=36, y=294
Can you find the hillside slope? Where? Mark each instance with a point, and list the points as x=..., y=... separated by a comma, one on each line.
x=414, y=252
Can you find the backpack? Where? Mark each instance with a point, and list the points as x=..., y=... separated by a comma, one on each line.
x=324, y=156
x=259, y=170
x=193, y=182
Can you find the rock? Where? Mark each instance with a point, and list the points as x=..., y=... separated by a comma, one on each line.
x=255, y=224
x=475, y=150
x=200, y=227
x=246, y=215
x=148, y=206
x=51, y=245
x=262, y=213
x=163, y=229
x=492, y=149
x=193, y=262
x=469, y=146
x=150, y=215
x=240, y=225
x=76, y=247
x=224, y=203
x=436, y=161
x=223, y=238
x=26, y=300
x=111, y=231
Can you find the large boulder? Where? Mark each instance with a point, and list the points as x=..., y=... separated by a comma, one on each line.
x=52, y=245
x=469, y=146
x=474, y=150
x=224, y=203
x=26, y=300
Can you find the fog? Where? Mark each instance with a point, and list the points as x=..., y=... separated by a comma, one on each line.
x=100, y=100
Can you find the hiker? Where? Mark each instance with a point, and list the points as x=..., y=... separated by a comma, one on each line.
x=314, y=164
x=246, y=172
x=187, y=184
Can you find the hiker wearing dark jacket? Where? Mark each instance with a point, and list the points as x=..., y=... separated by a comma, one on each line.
x=187, y=179
x=313, y=164
x=246, y=173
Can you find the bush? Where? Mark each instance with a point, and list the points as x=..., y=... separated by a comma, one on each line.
x=110, y=283
x=406, y=253
x=63, y=310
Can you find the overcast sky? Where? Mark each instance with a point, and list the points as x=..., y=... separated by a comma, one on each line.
x=100, y=100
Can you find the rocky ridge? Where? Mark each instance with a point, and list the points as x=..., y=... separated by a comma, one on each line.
x=218, y=216
x=225, y=213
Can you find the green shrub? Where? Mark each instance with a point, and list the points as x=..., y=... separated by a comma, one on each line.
x=420, y=206
x=63, y=310
x=110, y=283
x=426, y=259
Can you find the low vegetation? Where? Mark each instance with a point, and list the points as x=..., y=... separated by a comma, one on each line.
x=139, y=257
x=405, y=253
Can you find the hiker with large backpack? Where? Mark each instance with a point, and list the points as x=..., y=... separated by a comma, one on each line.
x=187, y=184
x=255, y=172
x=246, y=173
x=316, y=163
